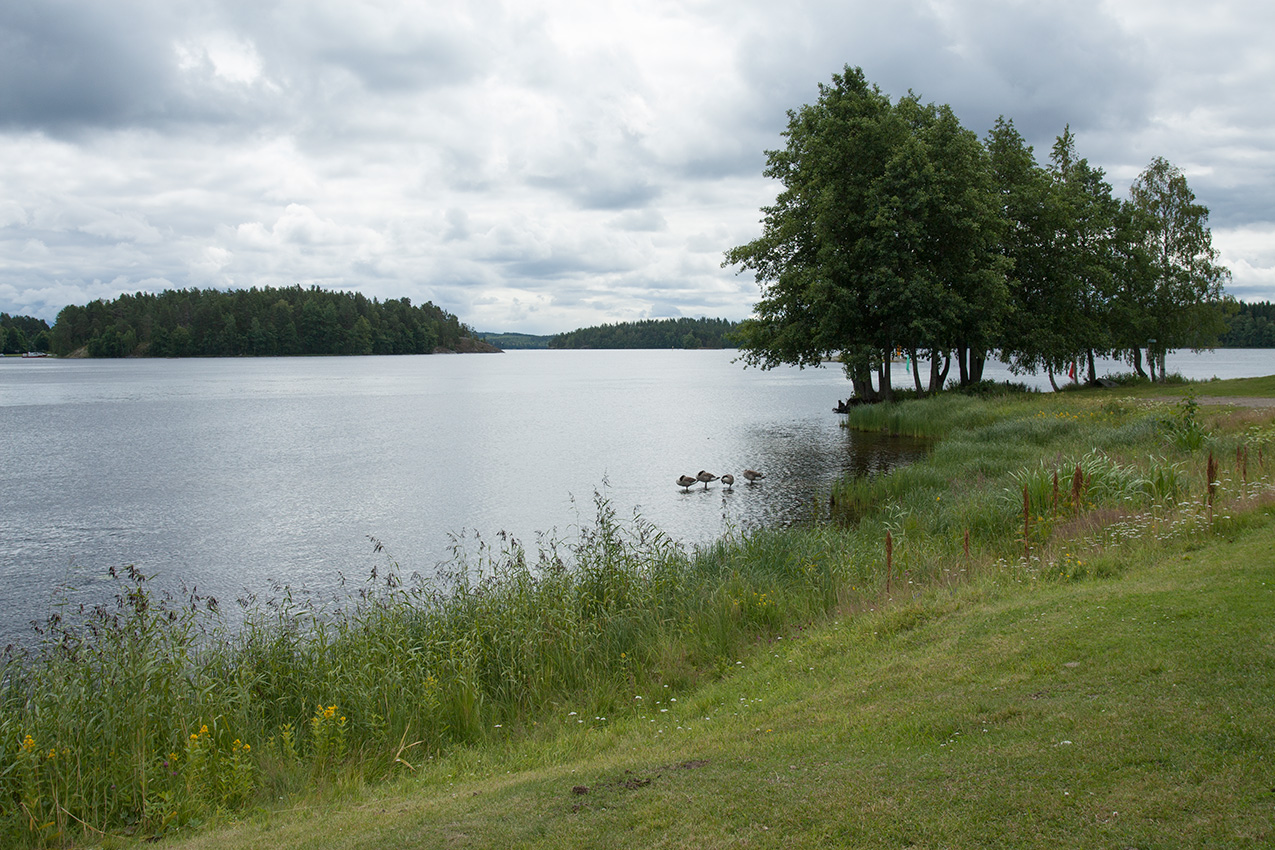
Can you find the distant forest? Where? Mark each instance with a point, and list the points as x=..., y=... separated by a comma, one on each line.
x=652, y=333
x=514, y=340
x=1252, y=327
x=20, y=334
x=256, y=322
x=332, y=326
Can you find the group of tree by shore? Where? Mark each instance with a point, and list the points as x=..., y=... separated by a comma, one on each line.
x=899, y=229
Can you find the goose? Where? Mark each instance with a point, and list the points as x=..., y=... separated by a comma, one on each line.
x=685, y=481
x=728, y=480
x=705, y=477
x=753, y=475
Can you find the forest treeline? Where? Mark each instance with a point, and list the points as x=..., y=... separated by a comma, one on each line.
x=20, y=334
x=898, y=228
x=256, y=322
x=652, y=333
x=1253, y=326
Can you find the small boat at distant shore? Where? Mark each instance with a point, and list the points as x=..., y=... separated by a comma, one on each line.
x=35, y=354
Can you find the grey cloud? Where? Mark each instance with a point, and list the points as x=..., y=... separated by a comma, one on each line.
x=66, y=64
x=641, y=220
x=457, y=225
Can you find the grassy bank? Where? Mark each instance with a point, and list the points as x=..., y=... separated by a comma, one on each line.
x=152, y=718
x=1135, y=711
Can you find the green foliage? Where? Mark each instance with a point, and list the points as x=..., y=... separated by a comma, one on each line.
x=897, y=231
x=255, y=322
x=881, y=238
x=652, y=333
x=1252, y=326
x=1184, y=428
x=20, y=334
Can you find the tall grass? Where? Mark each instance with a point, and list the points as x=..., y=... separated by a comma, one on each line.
x=1068, y=456
x=152, y=714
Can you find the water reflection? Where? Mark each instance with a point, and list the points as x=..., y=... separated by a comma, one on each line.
x=231, y=475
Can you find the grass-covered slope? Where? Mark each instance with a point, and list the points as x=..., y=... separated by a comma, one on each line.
x=1137, y=711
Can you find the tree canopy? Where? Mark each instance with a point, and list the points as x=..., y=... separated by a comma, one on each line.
x=898, y=231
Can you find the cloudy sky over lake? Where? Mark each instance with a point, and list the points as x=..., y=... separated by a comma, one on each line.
x=540, y=165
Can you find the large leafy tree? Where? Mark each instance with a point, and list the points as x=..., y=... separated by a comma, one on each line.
x=881, y=238
x=816, y=281
x=1182, y=305
x=1036, y=332
x=1087, y=257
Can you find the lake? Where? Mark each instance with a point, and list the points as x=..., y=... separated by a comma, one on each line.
x=234, y=475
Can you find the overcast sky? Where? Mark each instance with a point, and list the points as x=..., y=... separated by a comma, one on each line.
x=541, y=165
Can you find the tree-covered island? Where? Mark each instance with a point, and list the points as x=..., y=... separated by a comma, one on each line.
x=898, y=230
x=257, y=322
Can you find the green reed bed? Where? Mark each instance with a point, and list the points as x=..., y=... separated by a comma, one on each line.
x=152, y=714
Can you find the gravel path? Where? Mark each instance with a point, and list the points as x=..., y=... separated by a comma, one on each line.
x=1237, y=401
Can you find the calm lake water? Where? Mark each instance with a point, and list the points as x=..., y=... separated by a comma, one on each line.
x=241, y=474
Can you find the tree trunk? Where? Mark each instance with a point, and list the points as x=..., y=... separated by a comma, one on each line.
x=887, y=389
x=1093, y=370
x=978, y=359
x=960, y=362
x=1049, y=370
x=1137, y=362
x=916, y=372
x=860, y=373
x=937, y=376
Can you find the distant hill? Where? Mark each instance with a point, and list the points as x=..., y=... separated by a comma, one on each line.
x=513, y=340
x=652, y=333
